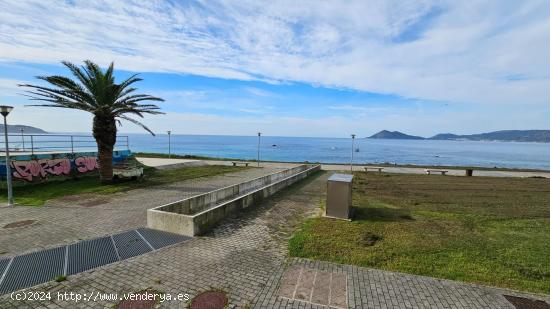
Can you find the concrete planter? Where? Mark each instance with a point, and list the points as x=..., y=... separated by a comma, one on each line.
x=198, y=214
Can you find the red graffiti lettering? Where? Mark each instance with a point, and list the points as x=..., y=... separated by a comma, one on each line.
x=40, y=168
x=86, y=164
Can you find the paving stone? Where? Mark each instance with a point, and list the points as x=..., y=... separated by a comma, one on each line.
x=305, y=284
x=289, y=282
x=321, y=288
x=338, y=290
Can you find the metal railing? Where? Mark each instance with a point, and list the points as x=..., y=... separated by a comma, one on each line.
x=47, y=143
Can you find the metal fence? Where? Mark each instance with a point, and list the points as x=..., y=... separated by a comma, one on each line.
x=43, y=143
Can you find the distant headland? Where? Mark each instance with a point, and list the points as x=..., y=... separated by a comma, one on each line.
x=504, y=135
x=16, y=128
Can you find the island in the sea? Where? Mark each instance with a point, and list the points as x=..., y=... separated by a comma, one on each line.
x=17, y=128
x=385, y=134
x=504, y=135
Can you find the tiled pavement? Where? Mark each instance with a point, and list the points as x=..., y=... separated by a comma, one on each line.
x=74, y=218
x=246, y=257
x=372, y=288
x=314, y=286
x=238, y=257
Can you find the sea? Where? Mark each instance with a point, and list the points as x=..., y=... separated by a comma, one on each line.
x=340, y=150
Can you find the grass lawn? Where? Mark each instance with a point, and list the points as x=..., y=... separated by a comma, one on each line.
x=493, y=231
x=38, y=194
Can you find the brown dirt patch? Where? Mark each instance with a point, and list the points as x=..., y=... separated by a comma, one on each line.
x=82, y=200
x=93, y=202
x=70, y=198
x=209, y=300
x=19, y=224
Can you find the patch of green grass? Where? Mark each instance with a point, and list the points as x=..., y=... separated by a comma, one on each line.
x=460, y=167
x=37, y=194
x=492, y=231
x=60, y=278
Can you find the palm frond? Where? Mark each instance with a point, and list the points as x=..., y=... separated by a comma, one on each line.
x=137, y=123
x=95, y=91
x=84, y=80
x=69, y=85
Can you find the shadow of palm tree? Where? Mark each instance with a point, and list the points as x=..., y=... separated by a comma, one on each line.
x=382, y=214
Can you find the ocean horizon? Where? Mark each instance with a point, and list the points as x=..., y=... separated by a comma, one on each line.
x=490, y=154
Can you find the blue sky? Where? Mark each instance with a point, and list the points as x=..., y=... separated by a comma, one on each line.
x=294, y=68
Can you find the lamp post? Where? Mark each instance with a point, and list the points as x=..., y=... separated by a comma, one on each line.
x=352, y=150
x=23, y=138
x=5, y=110
x=259, y=136
x=169, y=145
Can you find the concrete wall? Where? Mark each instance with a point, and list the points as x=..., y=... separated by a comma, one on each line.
x=41, y=167
x=202, y=202
x=196, y=215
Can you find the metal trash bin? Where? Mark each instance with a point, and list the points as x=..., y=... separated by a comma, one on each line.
x=339, y=188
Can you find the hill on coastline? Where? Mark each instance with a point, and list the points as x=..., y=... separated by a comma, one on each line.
x=504, y=135
x=385, y=134
x=16, y=128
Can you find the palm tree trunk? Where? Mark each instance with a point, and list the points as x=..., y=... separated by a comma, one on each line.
x=105, y=135
x=105, y=158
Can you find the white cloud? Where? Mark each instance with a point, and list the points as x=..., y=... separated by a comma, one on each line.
x=259, y=92
x=457, y=51
x=9, y=88
x=414, y=122
x=363, y=123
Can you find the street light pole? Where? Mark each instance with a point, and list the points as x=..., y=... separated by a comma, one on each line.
x=259, y=136
x=5, y=110
x=169, y=145
x=352, y=150
x=23, y=138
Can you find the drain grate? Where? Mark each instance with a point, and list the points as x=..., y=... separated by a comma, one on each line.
x=526, y=303
x=3, y=265
x=90, y=254
x=34, y=268
x=130, y=244
x=39, y=267
x=159, y=239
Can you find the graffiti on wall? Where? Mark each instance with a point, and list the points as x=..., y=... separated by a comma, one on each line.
x=86, y=164
x=42, y=168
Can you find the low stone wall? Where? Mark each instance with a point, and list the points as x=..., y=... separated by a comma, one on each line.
x=42, y=167
x=196, y=215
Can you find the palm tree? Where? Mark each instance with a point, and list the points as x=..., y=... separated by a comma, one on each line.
x=96, y=92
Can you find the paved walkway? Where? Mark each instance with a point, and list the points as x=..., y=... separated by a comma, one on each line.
x=246, y=257
x=169, y=163
x=74, y=218
x=343, y=167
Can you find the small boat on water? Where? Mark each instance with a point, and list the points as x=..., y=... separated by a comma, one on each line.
x=356, y=149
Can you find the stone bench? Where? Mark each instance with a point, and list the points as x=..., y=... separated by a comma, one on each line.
x=373, y=168
x=235, y=163
x=430, y=171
